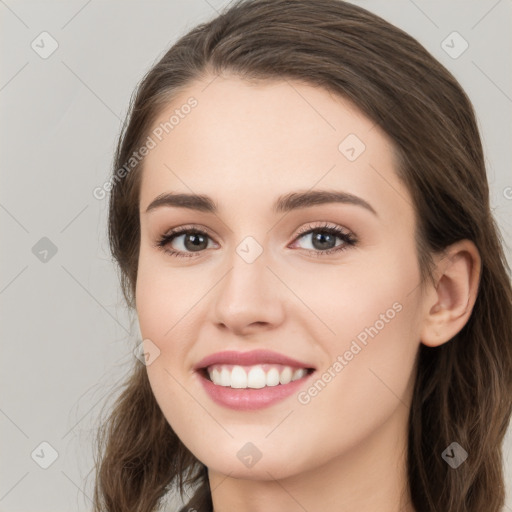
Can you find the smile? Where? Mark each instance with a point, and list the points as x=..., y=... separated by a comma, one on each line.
x=255, y=377
x=250, y=399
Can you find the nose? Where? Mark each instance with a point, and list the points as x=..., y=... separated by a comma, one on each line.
x=249, y=298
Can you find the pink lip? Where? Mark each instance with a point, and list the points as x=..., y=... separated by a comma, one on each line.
x=250, y=399
x=249, y=358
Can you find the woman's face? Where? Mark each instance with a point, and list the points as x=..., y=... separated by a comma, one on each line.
x=264, y=274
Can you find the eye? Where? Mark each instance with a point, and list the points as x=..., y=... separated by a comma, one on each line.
x=186, y=238
x=189, y=240
x=323, y=239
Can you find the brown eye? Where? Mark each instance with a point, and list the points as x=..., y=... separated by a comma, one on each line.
x=184, y=242
x=323, y=239
x=194, y=241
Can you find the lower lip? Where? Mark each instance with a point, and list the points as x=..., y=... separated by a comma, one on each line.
x=250, y=399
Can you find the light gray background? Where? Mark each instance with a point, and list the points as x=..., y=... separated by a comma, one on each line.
x=66, y=335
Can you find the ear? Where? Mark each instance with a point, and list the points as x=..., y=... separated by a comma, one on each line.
x=449, y=305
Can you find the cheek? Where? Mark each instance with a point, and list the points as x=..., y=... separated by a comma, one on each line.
x=372, y=312
x=164, y=296
x=162, y=309
x=170, y=315
x=376, y=345
x=363, y=292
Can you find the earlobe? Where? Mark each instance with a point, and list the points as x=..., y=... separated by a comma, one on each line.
x=450, y=303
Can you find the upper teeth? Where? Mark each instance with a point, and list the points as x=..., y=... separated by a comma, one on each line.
x=257, y=376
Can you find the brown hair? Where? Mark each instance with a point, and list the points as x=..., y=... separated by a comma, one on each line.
x=463, y=388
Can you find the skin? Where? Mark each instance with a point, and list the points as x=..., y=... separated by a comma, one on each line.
x=244, y=145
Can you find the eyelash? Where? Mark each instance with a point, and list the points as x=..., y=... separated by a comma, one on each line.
x=348, y=238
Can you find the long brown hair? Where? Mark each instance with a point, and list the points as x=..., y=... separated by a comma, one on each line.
x=463, y=388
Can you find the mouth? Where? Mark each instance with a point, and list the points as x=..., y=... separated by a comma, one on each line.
x=256, y=376
x=248, y=381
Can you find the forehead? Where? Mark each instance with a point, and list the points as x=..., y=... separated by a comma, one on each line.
x=252, y=140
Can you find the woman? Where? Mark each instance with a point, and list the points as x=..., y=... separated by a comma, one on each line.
x=300, y=214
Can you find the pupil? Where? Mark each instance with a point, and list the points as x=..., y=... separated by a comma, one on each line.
x=195, y=240
x=321, y=239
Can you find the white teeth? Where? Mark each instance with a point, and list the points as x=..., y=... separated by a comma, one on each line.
x=273, y=377
x=256, y=377
x=225, y=377
x=238, y=377
x=286, y=375
x=299, y=373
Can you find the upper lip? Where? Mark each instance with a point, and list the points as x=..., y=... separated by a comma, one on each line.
x=250, y=358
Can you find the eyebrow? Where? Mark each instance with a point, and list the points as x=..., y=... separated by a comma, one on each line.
x=285, y=203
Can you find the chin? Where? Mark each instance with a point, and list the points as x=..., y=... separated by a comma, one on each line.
x=246, y=463
x=260, y=471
